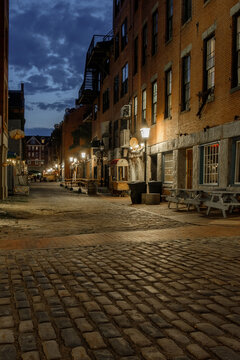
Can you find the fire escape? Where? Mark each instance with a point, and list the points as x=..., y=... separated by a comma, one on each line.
x=96, y=68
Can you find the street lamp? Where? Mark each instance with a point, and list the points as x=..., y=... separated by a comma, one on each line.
x=145, y=131
x=101, y=148
x=83, y=156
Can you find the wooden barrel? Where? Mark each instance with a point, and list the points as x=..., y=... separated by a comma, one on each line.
x=92, y=188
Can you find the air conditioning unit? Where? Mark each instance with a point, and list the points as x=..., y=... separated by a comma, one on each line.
x=124, y=138
x=117, y=153
x=126, y=111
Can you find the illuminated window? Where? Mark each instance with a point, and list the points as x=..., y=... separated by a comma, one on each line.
x=209, y=164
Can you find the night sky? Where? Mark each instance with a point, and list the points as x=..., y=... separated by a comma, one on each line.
x=48, y=44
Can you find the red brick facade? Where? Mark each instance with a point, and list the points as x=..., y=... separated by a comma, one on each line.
x=195, y=44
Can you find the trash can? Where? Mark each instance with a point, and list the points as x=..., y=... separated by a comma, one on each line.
x=155, y=187
x=137, y=188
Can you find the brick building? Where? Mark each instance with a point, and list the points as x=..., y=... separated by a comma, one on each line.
x=175, y=67
x=37, y=153
x=4, y=30
x=75, y=144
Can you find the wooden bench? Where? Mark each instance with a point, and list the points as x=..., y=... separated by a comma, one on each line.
x=222, y=200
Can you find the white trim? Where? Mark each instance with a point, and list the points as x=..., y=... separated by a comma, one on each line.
x=235, y=9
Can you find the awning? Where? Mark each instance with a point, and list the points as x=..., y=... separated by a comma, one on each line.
x=119, y=162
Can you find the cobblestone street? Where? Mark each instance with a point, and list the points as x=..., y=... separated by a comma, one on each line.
x=171, y=292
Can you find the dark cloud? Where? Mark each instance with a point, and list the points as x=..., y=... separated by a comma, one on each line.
x=51, y=38
x=38, y=131
x=59, y=106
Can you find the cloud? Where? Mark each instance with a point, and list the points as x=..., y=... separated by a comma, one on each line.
x=52, y=37
x=58, y=105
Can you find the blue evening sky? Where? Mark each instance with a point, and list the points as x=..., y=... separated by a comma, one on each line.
x=48, y=44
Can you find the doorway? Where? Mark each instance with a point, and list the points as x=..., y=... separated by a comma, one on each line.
x=189, y=169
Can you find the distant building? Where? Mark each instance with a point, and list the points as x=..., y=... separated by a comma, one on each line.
x=4, y=30
x=36, y=152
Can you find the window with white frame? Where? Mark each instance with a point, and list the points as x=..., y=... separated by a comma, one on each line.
x=135, y=113
x=168, y=167
x=186, y=83
x=154, y=102
x=144, y=105
x=168, y=93
x=210, y=63
x=210, y=164
x=237, y=164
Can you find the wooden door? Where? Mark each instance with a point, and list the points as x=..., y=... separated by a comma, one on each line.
x=189, y=172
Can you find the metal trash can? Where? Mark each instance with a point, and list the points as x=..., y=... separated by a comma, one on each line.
x=137, y=189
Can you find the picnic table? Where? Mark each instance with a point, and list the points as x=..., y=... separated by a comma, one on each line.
x=224, y=200
x=188, y=197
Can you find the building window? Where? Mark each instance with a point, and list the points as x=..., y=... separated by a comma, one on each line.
x=144, y=44
x=124, y=85
x=36, y=162
x=124, y=37
x=186, y=83
x=209, y=76
x=95, y=111
x=116, y=89
x=135, y=63
x=168, y=93
x=136, y=5
x=186, y=10
x=154, y=32
x=144, y=105
x=135, y=110
x=236, y=51
x=209, y=164
x=154, y=102
x=105, y=100
x=237, y=163
x=117, y=7
x=29, y=154
x=29, y=162
x=168, y=167
x=169, y=19
x=116, y=46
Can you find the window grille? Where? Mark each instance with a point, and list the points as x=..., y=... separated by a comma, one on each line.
x=210, y=164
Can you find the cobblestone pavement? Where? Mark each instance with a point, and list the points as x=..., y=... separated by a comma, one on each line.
x=171, y=299
x=54, y=211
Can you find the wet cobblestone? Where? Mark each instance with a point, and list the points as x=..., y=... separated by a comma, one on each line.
x=162, y=300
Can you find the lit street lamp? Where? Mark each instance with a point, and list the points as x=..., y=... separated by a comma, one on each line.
x=145, y=131
x=101, y=148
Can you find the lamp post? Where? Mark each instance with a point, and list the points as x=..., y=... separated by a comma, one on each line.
x=101, y=148
x=83, y=156
x=145, y=131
